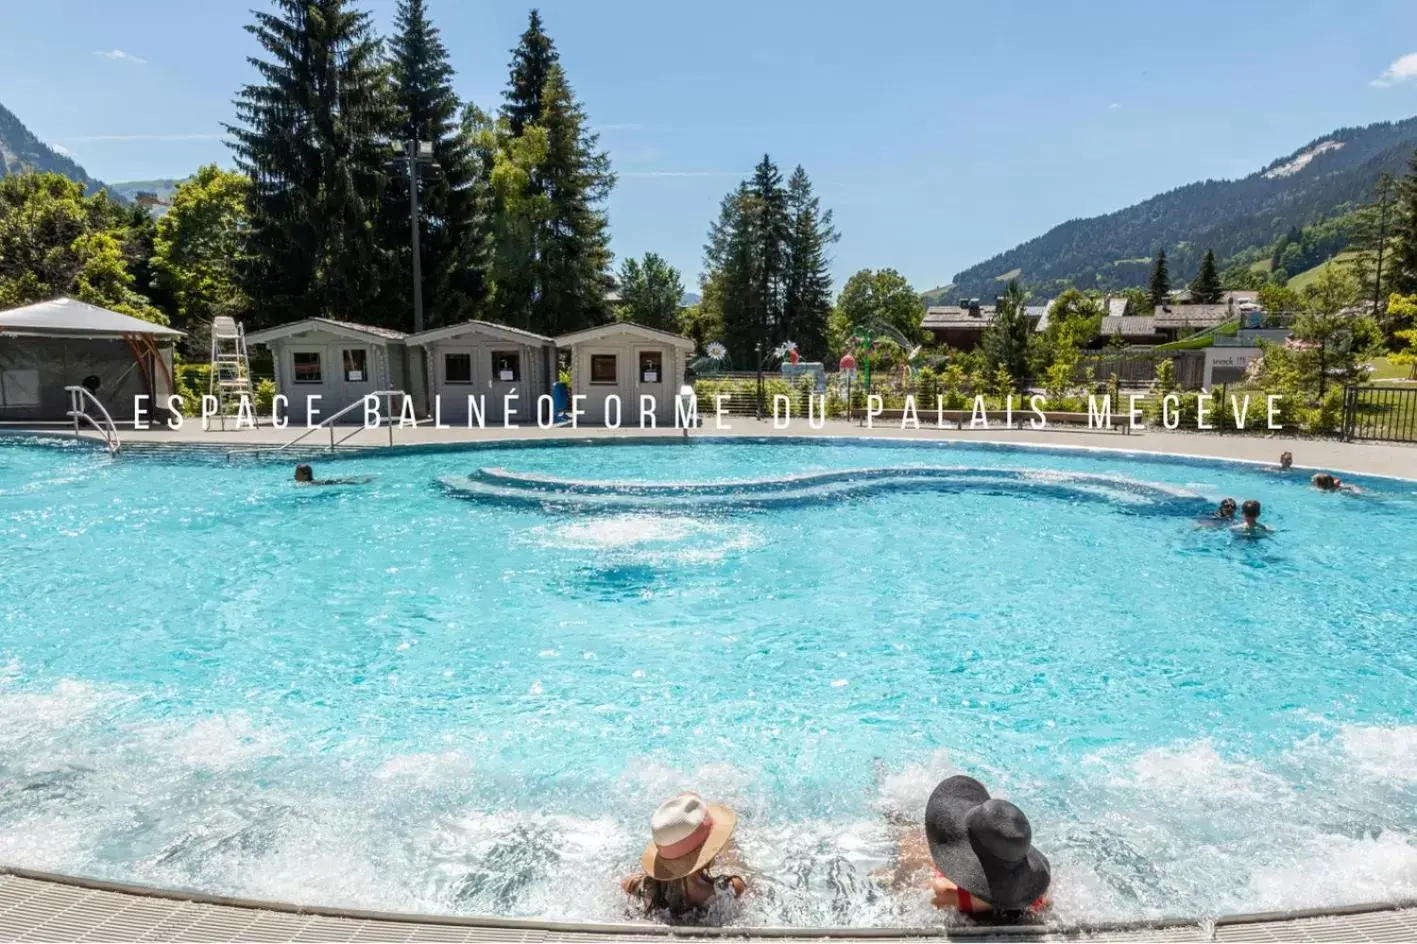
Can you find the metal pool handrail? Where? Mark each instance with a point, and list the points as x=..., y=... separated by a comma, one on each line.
x=78, y=396
x=325, y=423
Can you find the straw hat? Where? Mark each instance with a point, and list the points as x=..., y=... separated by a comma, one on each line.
x=687, y=833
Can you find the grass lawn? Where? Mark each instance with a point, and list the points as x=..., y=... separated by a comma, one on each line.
x=1386, y=371
x=1306, y=278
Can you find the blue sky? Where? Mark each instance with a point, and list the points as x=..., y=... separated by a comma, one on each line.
x=939, y=133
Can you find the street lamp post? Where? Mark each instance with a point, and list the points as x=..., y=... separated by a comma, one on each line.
x=758, y=350
x=416, y=154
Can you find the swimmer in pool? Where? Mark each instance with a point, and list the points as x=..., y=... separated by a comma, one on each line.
x=304, y=475
x=1220, y=517
x=1286, y=461
x=1250, y=519
x=689, y=837
x=1327, y=482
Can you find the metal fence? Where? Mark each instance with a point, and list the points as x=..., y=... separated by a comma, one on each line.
x=1381, y=413
x=1135, y=369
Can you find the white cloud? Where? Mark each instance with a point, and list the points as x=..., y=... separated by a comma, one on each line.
x=1401, y=70
x=161, y=136
x=1114, y=105
x=118, y=55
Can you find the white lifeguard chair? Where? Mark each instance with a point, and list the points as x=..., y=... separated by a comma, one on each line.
x=230, y=377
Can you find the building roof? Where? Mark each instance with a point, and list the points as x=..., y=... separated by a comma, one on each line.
x=69, y=317
x=618, y=328
x=1240, y=296
x=348, y=329
x=515, y=335
x=1116, y=307
x=1129, y=326
x=955, y=316
x=1192, y=316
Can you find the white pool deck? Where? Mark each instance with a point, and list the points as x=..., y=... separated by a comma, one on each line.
x=41, y=907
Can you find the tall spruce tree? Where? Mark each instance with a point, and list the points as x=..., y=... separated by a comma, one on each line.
x=1160, y=285
x=454, y=196
x=532, y=61
x=807, y=296
x=551, y=271
x=1404, y=253
x=1005, y=342
x=312, y=135
x=1205, y=288
x=730, y=277
x=771, y=232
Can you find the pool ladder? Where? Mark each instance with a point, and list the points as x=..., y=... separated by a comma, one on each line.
x=78, y=398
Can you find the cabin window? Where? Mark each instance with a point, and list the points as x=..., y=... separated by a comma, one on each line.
x=356, y=365
x=602, y=369
x=651, y=367
x=506, y=366
x=307, y=367
x=457, y=368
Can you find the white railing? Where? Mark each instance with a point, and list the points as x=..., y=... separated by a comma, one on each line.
x=78, y=397
x=328, y=422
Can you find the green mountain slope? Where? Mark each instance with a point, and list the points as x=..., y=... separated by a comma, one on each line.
x=1324, y=178
x=20, y=149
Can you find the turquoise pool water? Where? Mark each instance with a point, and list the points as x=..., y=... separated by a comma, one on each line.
x=397, y=695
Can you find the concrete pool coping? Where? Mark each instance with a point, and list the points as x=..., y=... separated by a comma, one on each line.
x=1389, y=460
x=39, y=906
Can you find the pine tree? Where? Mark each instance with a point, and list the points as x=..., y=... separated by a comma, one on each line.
x=730, y=275
x=807, y=296
x=1404, y=255
x=1005, y=342
x=1160, y=285
x=771, y=231
x=575, y=245
x=532, y=61
x=313, y=137
x=553, y=256
x=1205, y=289
x=454, y=197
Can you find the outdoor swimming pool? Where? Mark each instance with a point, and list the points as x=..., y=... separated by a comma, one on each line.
x=396, y=696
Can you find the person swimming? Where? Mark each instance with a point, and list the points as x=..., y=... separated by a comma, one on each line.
x=1286, y=461
x=977, y=851
x=305, y=475
x=1250, y=519
x=1328, y=482
x=1220, y=517
x=688, y=837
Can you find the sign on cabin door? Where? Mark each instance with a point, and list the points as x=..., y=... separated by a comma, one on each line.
x=652, y=380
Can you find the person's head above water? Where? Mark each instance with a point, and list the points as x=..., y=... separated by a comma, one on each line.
x=1286, y=459
x=1226, y=509
x=1325, y=482
x=984, y=845
x=303, y=473
x=1250, y=510
x=686, y=835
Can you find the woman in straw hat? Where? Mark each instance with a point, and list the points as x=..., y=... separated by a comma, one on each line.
x=687, y=835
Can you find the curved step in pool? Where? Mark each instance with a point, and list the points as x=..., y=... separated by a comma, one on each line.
x=501, y=486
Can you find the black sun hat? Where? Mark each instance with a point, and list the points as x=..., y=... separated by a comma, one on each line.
x=984, y=845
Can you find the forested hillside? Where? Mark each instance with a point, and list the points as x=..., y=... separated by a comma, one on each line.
x=21, y=150
x=1325, y=178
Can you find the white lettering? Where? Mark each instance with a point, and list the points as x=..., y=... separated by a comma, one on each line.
x=209, y=408
x=781, y=411
x=814, y=421
x=1272, y=409
x=140, y=411
x=508, y=411
x=908, y=415
x=545, y=400
x=1036, y=403
x=311, y=410
x=576, y=411
x=875, y=406
x=477, y=407
x=719, y=411
x=372, y=416
x=980, y=416
x=1171, y=415
x=1202, y=405
x=648, y=406
x=615, y=399
x=1099, y=419
x=686, y=411
x=1134, y=411
x=245, y=411
x=174, y=412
